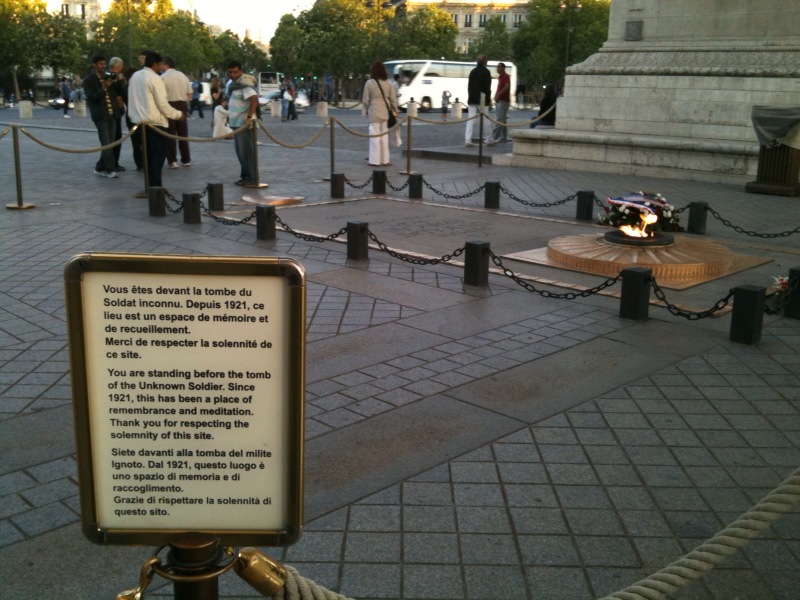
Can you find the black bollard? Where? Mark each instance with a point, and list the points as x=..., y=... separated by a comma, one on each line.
x=792, y=307
x=357, y=240
x=748, y=314
x=476, y=263
x=635, y=301
x=265, y=222
x=698, y=211
x=379, y=182
x=337, y=185
x=215, y=196
x=585, y=207
x=191, y=209
x=157, y=201
x=491, y=197
x=415, y=186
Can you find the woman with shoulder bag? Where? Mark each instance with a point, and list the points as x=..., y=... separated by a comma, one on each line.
x=380, y=103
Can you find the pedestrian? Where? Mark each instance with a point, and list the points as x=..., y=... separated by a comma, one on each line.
x=179, y=93
x=242, y=107
x=115, y=66
x=101, y=96
x=380, y=103
x=66, y=94
x=548, y=117
x=197, y=90
x=216, y=97
x=502, y=100
x=445, y=104
x=480, y=82
x=148, y=105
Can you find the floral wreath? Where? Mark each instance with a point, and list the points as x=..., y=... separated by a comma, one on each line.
x=626, y=211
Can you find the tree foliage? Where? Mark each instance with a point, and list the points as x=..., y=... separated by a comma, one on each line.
x=540, y=45
x=495, y=41
x=428, y=32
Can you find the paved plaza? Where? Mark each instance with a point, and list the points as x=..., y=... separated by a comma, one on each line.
x=461, y=442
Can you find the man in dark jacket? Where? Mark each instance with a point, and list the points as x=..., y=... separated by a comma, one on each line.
x=480, y=82
x=101, y=97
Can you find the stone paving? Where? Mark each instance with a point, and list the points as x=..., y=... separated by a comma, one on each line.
x=552, y=449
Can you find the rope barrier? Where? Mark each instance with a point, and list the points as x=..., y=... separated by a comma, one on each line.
x=368, y=135
x=294, y=146
x=297, y=587
x=713, y=552
x=79, y=151
x=5, y=133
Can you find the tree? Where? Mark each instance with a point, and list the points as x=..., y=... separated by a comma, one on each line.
x=540, y=46
x=495, y=41
x=425, y=33
x=283, y=46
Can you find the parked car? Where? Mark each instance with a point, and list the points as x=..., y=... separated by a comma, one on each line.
x=301, y=101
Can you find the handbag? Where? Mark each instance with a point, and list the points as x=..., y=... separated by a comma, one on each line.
x=392, y=115
x=287, y=95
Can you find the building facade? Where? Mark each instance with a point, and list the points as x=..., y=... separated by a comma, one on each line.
x=471, y=16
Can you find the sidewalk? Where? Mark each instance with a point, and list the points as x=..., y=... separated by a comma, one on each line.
x=461, y=443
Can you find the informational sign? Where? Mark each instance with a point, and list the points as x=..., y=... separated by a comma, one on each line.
x=188, y=379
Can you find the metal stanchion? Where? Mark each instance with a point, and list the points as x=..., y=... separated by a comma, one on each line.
x=491, y=197
x=215, y=196
x=265, y=222
x=157, y=201
x=635, y=299
x=379, y=182
x=585, y=207
x=257, y=184
x=698, y=212
x=195, y=555
x=415, y=186
x=191, y=209
x=357, y=240
x=409, y=112
x=20, y=205
x=792, y=307
x=747, y=318
x=337, y=185
x=476, y=263
x=145, y=164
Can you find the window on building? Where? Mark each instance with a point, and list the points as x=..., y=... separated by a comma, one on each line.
x=467, y=20
x=517, y=19
x=482, y=20
x=65, y=9
x=455, y=19
x=504, y=18
x=83, y=12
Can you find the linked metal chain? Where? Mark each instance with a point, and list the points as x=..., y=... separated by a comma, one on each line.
x=207, y=212
x=738, y=229
x=310, y=238
x=450, y=196
x=547, y=294
x=359, y=187
x=597, y=201
x=505, y=190
x=175, y=200
x=398, y=189
x=687, y=314
x=678, y=211
x=413, y=259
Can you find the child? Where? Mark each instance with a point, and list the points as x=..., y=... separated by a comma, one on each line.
x=445, y=104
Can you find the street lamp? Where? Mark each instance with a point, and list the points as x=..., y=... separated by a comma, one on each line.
x=571, y=6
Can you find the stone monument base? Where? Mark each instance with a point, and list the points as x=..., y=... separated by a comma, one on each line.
x=717, y=161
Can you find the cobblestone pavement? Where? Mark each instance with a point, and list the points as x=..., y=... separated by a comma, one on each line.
x=462, y=443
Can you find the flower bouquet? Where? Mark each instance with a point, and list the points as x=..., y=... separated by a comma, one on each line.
x=629, y=210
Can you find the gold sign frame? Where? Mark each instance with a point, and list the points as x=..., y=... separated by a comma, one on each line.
x=119, y=449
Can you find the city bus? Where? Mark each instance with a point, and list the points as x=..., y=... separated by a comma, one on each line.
x=425, y=80
x=268, y=82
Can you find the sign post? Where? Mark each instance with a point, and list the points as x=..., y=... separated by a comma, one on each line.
x=188, y=391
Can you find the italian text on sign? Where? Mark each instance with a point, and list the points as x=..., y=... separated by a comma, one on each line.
x=188, y=378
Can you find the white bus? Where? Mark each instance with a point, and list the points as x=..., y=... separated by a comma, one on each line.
x=426, y=80
x=268, y=82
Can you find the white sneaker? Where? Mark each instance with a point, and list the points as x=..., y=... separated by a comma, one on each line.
x=187, y=164
x=67, y=117
x=111, y=175
x=469, y=145
x=100, y=173
x=173, y=165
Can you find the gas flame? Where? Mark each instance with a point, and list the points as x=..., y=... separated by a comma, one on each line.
x=638, y=231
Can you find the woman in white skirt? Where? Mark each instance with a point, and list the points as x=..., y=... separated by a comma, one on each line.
x=379, y=98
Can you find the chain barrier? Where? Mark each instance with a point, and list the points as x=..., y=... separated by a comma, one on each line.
x=401, y=188
x=450, y=196
x=413, y=259
x=362, y=186
x=738, y=229
x=309, y=238
x=175, y=200
x=687, y=314
x=508, y=193
x=598, y=202
x=547, y=294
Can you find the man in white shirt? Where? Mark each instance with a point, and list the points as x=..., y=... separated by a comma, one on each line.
x=179, y=93
x=147, y=104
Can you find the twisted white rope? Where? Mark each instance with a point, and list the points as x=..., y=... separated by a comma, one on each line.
x=298, y=587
